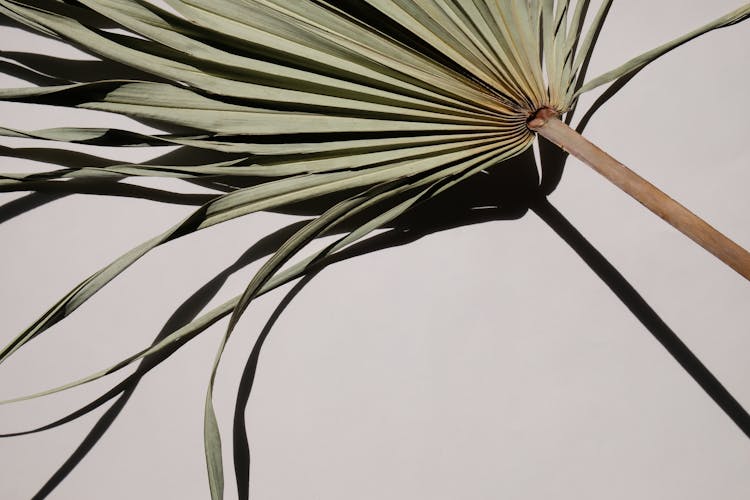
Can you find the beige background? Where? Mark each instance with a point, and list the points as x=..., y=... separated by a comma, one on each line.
x=483, y=362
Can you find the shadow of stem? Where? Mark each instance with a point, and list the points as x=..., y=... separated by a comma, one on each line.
x=637, y=305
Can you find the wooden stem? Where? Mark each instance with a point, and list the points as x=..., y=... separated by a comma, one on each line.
x=546, y=124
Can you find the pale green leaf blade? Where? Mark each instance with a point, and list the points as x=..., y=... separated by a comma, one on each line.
x=637, y=63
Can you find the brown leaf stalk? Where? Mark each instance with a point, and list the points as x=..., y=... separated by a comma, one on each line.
x=546, y=123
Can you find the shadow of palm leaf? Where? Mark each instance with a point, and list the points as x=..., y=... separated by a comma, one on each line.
x=409, y=228
x=505, y=193
x=539, y=204
x=471, y=203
